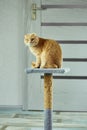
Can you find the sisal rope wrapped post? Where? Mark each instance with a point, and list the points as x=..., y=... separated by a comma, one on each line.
x=48, y=97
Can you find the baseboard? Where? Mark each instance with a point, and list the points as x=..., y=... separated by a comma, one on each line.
x=10, y=107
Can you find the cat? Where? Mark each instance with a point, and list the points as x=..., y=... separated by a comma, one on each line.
x=48, y=52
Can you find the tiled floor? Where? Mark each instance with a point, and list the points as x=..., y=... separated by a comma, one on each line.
x=31, y=120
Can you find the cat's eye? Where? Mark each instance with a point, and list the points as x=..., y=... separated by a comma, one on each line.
x=32, y=39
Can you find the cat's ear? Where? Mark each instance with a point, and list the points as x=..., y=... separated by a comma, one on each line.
x=33, y=34
x=26, y=35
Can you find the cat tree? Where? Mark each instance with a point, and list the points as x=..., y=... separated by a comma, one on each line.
x=48, y=92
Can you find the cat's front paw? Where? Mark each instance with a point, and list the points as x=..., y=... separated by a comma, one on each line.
x=34, y=65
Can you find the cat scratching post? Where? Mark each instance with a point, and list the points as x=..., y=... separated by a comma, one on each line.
x=48, y=96
x=48, y=92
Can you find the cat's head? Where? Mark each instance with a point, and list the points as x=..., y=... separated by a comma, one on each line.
x=31, y=39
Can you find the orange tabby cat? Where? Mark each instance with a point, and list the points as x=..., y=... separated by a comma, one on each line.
x=48, y=52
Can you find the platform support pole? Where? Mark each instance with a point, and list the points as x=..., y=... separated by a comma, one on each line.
x=48, y=97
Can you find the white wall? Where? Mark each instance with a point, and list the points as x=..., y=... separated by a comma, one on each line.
x=11, y=52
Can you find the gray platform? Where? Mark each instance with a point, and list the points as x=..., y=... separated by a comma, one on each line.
x=48, y=70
